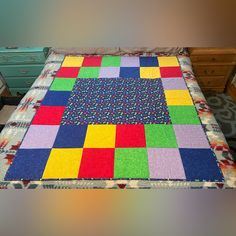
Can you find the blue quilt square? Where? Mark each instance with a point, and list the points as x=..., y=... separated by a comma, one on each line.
x=71, y=136
x=148, y=61
x=129, y=72
x=56, y=98
x=200, y=164
x=28, y=164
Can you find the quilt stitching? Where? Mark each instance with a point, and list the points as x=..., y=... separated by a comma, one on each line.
x=130, y=147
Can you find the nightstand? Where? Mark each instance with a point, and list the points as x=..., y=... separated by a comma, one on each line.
x=213, y=67
x=21, y=66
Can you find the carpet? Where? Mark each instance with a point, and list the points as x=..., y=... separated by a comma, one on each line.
x=224, y=109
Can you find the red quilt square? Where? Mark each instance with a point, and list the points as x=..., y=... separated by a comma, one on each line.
x=47, y=115
x=68, y=72
x=170, y=72
x=130, y=136
x=97, y=163
x=92, y=61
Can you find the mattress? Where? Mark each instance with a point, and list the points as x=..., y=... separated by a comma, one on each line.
x=132, y=121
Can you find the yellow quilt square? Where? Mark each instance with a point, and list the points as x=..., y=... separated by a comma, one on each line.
x=63, y=163
x=150, y=72
x=168, y=61
x=100, y=136
x=73, y=61
x=178, y=97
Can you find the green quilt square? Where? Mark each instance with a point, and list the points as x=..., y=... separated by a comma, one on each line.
x=160, y=135
x=131, y=163
x=62, y=84
x=89, y=72
x=183, y=115
x=113, y=61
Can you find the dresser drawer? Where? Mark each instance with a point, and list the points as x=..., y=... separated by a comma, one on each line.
x=19, y=70
x=213, y=58
x=212, y=70
x=214, y=89
x=212, y=81
x=22, y=58
x=20, y=82
x=17, y=91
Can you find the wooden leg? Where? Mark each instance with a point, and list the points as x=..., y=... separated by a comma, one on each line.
x=231, y=90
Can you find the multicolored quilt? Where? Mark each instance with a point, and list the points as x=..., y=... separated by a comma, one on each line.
x=116, y=117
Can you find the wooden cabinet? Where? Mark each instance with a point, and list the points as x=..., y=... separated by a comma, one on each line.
x=21, y=66
x=213, y=67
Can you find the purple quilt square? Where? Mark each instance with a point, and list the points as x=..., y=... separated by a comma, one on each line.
x=174, y=83
x=191, y=136
x=130, y=62
x=165, y=163
x=109, y=72
x=40, y=136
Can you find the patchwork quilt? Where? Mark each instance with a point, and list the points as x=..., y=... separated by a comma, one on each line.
x=116, y=117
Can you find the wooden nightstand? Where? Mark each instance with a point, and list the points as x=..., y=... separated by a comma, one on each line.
x=21, y=66
x=213, y=67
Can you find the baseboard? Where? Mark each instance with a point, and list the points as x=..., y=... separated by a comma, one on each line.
x=231, y=90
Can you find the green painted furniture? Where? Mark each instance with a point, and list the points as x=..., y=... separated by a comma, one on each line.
x=21, y=66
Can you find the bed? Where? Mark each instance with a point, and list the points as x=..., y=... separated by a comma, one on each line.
x=115, y=118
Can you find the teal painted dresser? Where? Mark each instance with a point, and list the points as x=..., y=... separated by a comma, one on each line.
x=21, y=66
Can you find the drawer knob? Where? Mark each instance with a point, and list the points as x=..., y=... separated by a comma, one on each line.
x=24, y=71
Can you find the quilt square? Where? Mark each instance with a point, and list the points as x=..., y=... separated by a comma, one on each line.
x=62, y=84
x=97, y=163
x=200, y=165
x=48, y=115
x=89, y=72
x=63, y=163
x=174, y=84
x=40, y=136
x=68, y=72
x=168, y=61
x=56, y=98
x=131, y=163
x=178, y=97
x=116, y=101
x=150, y=72
x=169, y=72
x=73, y=61
x=109, y=72
x=162, y=136
x=28, y=164
x=129, y=61
x=129, y=72
x=130, y=136
x=71, y=136
x=93, y=61
x=183, y=115
x=148, y=62
x=191, y=136
x=100, y=136
x=165, y=163
x=111, y=61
